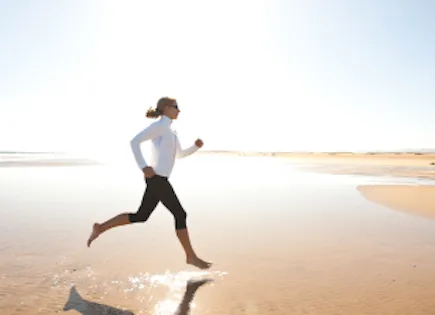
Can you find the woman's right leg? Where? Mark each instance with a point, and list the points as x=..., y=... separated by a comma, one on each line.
x=147, y=206
x=170, y=200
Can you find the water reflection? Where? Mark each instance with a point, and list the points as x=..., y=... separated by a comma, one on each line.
x=78, y=303
x=186, y=303
x=176, y=301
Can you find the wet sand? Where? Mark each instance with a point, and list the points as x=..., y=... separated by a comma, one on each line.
x=283, y=239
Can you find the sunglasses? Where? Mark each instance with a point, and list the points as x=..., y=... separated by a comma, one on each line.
x=174, y=106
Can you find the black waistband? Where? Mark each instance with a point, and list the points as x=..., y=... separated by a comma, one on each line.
x=157, y=176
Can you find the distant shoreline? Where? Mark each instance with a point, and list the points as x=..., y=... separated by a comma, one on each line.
x=265, y=153
x=334, y=153
x=405, y=158
x=33, y=152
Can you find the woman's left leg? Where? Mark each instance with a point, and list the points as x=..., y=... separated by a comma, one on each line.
x=147, y=206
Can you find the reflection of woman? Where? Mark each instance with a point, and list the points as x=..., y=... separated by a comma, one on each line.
x=77, y=302
x=166, y=147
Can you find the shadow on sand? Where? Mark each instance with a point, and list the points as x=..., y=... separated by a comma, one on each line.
x=84, y=307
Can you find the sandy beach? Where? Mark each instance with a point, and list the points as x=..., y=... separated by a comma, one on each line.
x=297, y=235
x=414, y=199
x=412, y=165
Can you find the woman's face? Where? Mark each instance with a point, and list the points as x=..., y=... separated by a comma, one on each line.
x=172, y=110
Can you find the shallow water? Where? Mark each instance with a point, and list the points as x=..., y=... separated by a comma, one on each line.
x=283, y=240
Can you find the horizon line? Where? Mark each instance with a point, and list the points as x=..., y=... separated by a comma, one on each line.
x=403, y=151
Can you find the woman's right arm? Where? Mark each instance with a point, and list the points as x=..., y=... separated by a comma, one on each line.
x=151, y=132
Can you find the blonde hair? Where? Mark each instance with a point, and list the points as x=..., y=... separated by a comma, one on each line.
x=158, y=110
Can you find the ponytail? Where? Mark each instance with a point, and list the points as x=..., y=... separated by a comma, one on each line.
x=153, y=113
x=158, y=110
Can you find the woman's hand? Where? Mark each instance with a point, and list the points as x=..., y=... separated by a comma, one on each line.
x=148, y=171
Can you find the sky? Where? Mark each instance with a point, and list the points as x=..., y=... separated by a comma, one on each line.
x=271, y=75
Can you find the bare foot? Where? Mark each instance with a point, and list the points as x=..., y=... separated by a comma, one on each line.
x=96, y=230
x=197, y=262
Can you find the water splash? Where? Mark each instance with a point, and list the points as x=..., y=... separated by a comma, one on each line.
x=176, y=282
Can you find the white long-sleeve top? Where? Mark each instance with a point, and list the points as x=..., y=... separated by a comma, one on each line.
x=165, y=147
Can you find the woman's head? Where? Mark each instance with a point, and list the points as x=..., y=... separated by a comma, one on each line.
x=165, y=106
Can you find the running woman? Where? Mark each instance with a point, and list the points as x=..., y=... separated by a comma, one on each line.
x=165, y=148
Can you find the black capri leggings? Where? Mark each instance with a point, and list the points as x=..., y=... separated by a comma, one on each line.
x=159, y=189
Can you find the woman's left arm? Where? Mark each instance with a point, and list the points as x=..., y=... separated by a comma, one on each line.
x=182, y=153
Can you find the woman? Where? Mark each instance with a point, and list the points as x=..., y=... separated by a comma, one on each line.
x=166, y=147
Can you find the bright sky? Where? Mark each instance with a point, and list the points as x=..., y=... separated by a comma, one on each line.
x=284, y=75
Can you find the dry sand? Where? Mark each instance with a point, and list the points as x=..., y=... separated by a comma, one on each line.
x=397, y=165
x=414, y=199
x=289, y=248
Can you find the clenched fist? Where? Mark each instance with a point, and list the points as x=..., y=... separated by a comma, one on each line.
x=148, y=171
x=199, y=143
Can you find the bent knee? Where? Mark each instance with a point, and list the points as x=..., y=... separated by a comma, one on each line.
x=135, y=217
x=180, y=221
